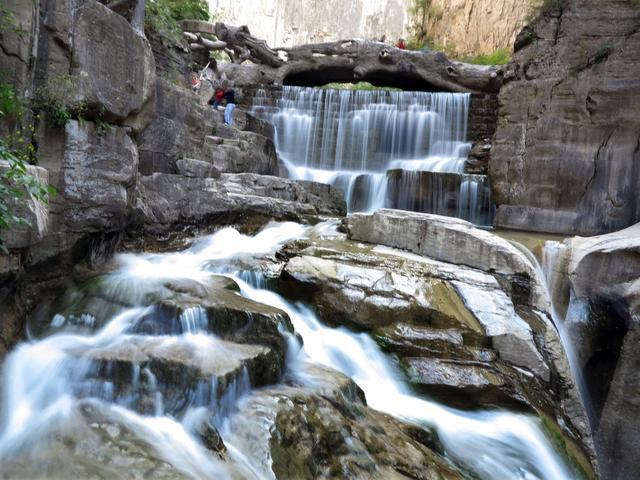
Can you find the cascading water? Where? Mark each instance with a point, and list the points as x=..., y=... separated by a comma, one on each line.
x=40, y=379
x=562, y=306
x=383, y=149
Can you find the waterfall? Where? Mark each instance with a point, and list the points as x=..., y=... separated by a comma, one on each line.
x=561, y=305
x=44, y=380
x=383, y=149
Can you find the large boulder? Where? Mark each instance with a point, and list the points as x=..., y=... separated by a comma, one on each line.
x=566, y=148
x=179, y=372
x=92, y=62
x=447, y=239
x=418, y=308
x=166, y=200
x=112, y=66
x=95, y=178
x=434, y=314
x=325, y=430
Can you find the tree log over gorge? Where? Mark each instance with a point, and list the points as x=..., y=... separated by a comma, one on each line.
x=341, y=61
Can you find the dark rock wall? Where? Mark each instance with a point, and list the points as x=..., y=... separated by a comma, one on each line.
x=566, y=151
x=603, y=274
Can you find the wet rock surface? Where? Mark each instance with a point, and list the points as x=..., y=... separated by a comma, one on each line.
x=95, y=443
x=459, y=334
x=325, y=430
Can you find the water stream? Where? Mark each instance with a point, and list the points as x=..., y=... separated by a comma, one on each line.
x=45, y=381
x=402, y=150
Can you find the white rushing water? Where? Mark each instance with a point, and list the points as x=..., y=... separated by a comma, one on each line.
x=379, y=148
x=41, y=378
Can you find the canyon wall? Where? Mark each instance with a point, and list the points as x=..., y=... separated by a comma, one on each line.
x=463, y=27
x=471, y=27
x=294, y=22
x=567, y=146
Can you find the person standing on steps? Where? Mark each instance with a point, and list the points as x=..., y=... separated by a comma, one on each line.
x=218, y=96
x=230, y=99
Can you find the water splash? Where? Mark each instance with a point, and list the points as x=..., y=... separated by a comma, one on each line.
x=39, y=380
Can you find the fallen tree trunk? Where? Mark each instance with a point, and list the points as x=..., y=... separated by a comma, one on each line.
x=347, y=61
x=238, y=41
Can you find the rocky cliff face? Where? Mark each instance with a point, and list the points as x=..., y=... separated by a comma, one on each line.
x=470, y=27
x=132, y=140
x=567, y=147
x=292, y=22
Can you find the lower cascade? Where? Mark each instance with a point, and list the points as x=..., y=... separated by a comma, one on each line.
x=393, y=149
x=156, y=371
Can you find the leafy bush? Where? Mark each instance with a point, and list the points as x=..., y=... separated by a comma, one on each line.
x=188, y=9
x=499, y=57
x=423, y=13
x=16, y=181
x=162, y=16
x=55, y=100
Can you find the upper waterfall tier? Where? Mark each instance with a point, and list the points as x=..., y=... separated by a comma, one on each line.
x=371, y=131
x=354, y=138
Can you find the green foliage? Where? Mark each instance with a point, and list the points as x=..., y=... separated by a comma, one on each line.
x=55, y=100
x=499, y=57
x=423, y=13
x=188, y=9
x=358, y=86
x=570, y=452
x=162, y=16
x=16, y=181
x=10, y=105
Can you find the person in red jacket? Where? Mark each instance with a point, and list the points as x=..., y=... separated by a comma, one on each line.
x=401, y=44
x=218, y=95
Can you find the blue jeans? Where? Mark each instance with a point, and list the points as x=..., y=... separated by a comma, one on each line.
x=228, y=113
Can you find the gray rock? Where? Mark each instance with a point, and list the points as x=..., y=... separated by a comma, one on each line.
x=112, y=66
x=178, y=129
x=324, y=430
x=196, y=168
x=185, y=372
x=166, y=200
x=347, y=289
x=566, y=148
x=96, y=441
x=443, y=238
x=95, y=179
x=248, y=152
x=18, y=40
x=34, y=212
x=510, y=335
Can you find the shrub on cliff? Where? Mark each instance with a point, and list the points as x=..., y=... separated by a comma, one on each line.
x=162, y=16
x=17, y=151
